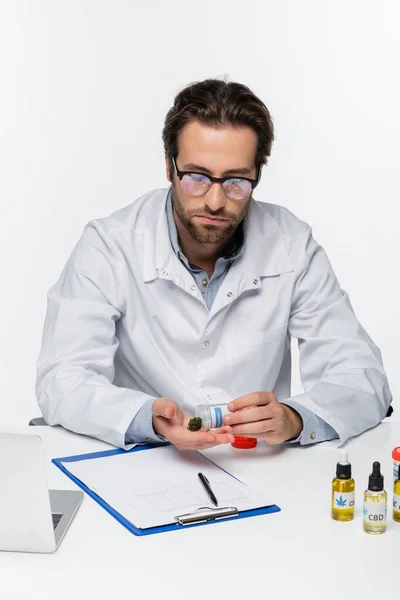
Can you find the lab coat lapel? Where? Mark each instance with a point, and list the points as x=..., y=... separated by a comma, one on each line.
x=264, y=255
x=160, y=261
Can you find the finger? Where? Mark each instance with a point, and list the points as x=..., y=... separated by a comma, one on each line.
x=223, y=429
x=255, y=398
x=259, y=413
x=205, y=446
x=191, y=439
x=225, y=438
x=259, y=427
x=165, y=407
x=218, y=438
x=201, y=447
x=197, y=442
x=223, y=434
x=219, y=442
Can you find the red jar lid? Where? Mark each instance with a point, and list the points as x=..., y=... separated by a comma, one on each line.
x=244, y=442
x=396, y=453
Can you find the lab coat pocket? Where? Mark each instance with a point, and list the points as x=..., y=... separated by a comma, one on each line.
x=254, y=360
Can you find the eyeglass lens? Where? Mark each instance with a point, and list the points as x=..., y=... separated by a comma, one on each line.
x=198, y=185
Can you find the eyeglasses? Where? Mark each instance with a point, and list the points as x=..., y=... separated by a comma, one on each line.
x=198, y=184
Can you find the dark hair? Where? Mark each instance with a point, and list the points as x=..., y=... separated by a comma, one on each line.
x=219, y=103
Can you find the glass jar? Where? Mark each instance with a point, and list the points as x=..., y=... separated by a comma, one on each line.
x=211, y=415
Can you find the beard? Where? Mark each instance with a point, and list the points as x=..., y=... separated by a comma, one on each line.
x=207, y=234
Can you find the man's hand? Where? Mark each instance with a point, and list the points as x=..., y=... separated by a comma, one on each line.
x=170, y=421
x=261, y=415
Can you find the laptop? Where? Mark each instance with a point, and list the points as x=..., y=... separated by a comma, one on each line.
x=32, y=517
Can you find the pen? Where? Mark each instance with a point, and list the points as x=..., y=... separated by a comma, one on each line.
x=207, y=487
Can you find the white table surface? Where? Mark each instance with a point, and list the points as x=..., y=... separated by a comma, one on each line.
x=299, y=552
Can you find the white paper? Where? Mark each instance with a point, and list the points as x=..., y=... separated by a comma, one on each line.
x=152, y=487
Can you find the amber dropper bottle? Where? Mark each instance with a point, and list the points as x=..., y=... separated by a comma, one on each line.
x=343, y=487
x=396, y=498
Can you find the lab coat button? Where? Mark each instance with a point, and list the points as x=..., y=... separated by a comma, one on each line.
x=255, y=281
x=192, y=287
x=206, y=343
x=165, y=273
x=229, y=294
x=209, y=397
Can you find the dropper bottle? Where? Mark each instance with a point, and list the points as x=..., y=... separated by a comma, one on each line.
x=396, y=498
x=375, y=503
x=343, y=487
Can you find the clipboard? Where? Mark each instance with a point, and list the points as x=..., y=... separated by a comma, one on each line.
x=203, y=516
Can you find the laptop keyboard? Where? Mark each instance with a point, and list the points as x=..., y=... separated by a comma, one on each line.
x=56, y=519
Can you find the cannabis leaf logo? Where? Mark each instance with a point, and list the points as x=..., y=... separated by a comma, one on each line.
x=365, y=511
x=341, y=502
x=394, y=503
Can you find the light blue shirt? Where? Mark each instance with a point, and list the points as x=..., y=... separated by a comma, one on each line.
x=141, y=428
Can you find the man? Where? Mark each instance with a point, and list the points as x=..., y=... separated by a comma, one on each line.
x=191, y=294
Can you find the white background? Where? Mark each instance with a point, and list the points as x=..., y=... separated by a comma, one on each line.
x=84, y=89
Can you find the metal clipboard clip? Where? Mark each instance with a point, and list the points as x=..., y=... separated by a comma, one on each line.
x=207, y=513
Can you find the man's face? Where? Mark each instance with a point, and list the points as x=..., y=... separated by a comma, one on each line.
x=228, y=151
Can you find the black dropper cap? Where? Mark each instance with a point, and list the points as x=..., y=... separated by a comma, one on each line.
x=343, y=467
x=376, y=478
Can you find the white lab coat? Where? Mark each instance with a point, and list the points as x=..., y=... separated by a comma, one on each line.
x=126, y=323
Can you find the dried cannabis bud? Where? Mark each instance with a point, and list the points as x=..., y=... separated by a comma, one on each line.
x=194, y=424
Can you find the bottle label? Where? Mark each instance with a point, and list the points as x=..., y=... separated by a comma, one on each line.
x=396, y=503
x=216, y=414
x=375, y=512
x=343, y=501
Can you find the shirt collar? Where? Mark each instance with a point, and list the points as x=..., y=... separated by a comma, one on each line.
x=266, y=248
x=238, y=245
